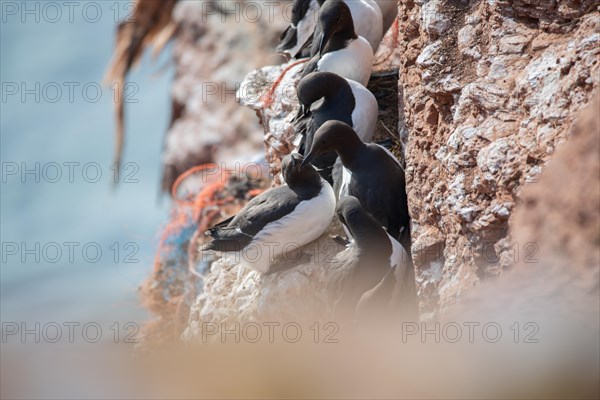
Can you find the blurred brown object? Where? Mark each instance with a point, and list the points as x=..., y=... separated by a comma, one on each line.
x=559, y=216
x=150, y=25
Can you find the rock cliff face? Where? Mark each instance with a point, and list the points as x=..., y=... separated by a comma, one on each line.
x=489, y=90
x=486, y=92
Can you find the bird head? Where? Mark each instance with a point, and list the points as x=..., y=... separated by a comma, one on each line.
x=334, y=17
x=295, y=171
x=331, y=136
x=317, y=85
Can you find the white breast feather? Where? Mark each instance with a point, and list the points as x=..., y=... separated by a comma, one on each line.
x=353, y=62
x=366, y=110
x=368, y=21
x=399, y=256
x=307, y=222
x=345, y=186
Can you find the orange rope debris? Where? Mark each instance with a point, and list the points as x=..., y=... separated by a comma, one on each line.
x=267, y=99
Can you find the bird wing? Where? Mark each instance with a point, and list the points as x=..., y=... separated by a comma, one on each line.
x=311, y=66
x=263, y=209
x=304, y=51
x=316, y=41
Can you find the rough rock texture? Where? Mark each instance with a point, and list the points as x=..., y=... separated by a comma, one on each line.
x=490, y=89
x=297, y=293
x=559, y=217
x=556, y=286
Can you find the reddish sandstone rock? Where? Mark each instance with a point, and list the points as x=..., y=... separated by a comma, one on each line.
x=490, y=90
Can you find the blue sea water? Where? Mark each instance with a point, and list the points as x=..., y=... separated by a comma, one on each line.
x=54, y=129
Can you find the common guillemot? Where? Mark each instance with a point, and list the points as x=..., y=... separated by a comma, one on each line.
x=368, y=262
x=334, y=98
x=279, y=220
x=367, y=20
x=370, y=173
x=338, y=48
x=296, y=38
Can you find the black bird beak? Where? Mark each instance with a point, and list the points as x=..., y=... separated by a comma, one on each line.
x=308, y=159
x=296, y=159
x=322, y=43
x=305, y=110
x=289, y=38
x=284, y=33
x=306, y=44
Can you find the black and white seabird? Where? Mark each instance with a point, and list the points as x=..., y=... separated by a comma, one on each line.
x=367, y=264
x=338, y=48
x=367, y=20
x=279, y=220
x=342, y=100
x=370, y=172
x=393, y=299
x=296, y=39
x=297, y=36
x=371, y=18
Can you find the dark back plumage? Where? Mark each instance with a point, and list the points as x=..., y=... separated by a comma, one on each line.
x=235, y=233
x=377, y=179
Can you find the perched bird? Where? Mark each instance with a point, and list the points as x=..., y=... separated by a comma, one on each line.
x=393, y=299
x=296, y=38
x=342, y=100
x=389, y=11
x=288, y=216
x=370, y=173
x=367, y=21
x=338, y=48
x=378, y=277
